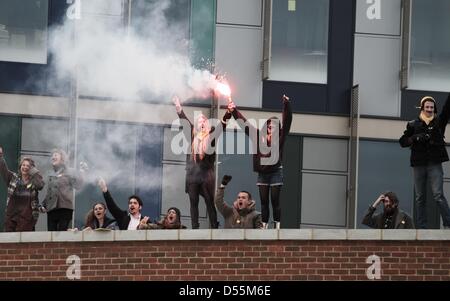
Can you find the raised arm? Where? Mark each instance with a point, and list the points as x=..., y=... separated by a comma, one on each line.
x=368, y=218
x=287, y=116
x=116, y=212
x=228, y=113
x=4, y=171
x=36, y=178
x=248, y=127
x=180, y=111
x=223, y=208
x=445, y=114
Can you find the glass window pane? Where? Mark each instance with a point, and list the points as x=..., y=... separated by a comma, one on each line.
x=299, y=41
x=430, y=45
x=23, y=31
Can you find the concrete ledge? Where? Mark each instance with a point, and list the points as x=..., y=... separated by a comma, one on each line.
x=63, y=236
x=433, y=234
x=409, y=234
x=9, y=237
x=121, y=235
x=92, y=235
x=35, y=236
x=295, y=234
x=163, y=234
x=329, y=234
x=227, y=234
x=199, y=234
x=260, y=234
x=369, y=234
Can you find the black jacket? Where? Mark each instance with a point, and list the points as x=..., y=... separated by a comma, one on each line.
x=122, y=217
x=201, y=170
x=257, y=139
x=401, y=220
x=433, y=149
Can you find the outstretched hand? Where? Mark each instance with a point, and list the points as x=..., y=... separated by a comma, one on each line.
x=143, y=223
x=102, y=185
x=177, y=103
x=84, y=166
x=231, y=105
x=285, y=98
x=226, y=179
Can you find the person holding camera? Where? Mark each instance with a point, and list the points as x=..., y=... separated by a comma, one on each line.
x=243, y=214
x=391, y=217
x=425, y=137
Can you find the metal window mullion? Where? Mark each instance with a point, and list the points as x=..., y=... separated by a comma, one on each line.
x=406, y=29
x=267, y=44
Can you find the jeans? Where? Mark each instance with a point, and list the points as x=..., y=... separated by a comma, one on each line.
x=433, y=174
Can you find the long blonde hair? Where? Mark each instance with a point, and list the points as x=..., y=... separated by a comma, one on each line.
x=200, y=139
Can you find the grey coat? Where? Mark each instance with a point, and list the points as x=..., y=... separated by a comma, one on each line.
x=60, y=186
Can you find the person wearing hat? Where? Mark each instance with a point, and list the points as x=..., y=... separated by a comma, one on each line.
x=391, y=217
x=62, y=181
x=242, y=215
x=172, y=220
x=125, y=219
x=268, y=144
x=22, y=198
x=425, y=137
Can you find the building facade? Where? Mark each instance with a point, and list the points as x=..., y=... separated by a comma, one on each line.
x=354, y=69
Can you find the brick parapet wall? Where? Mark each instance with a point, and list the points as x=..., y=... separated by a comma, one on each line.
x=213, y=255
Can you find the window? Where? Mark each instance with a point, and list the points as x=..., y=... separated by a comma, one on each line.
x=23, y=31
x=430, y=45
x=299, y=40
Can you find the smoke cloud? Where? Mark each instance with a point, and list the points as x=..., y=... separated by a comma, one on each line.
x=145, y=58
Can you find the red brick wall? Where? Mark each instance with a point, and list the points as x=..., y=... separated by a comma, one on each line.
x=226, y=260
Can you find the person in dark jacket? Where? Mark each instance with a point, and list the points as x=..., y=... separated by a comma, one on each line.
x=58, y=202
x=97, y=219
x=126, y=220
x=22, y=201
x=425, y=137
x=200, y=177
x=391, y=217
x=172, y=220
x=242, y=215
x=269, y=143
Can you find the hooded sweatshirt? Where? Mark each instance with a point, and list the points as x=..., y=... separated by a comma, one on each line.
x=247, y=218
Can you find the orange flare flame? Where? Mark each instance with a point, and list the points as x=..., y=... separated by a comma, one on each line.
x=223, y=89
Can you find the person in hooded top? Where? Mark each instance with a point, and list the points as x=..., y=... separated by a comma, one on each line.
x=172, y=220
x=267, y=159
x=242, y=215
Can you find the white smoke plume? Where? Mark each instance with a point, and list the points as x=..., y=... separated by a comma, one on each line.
x=146, y=61
x=111, y=59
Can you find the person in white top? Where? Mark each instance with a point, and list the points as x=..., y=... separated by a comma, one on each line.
x=126, y=220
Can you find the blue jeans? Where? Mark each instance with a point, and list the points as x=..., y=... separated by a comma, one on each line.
x=433, y=174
